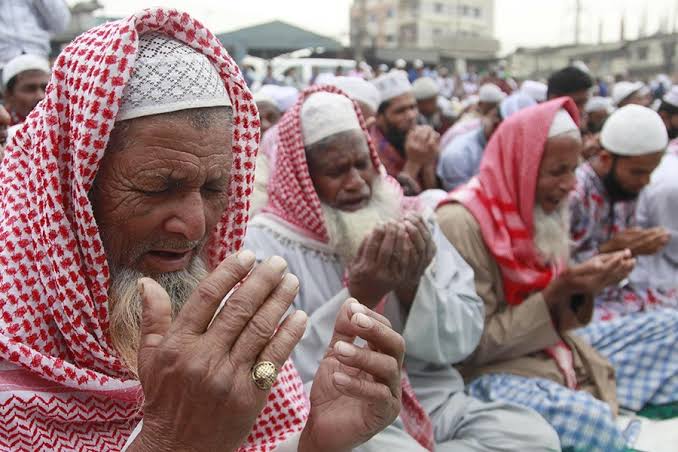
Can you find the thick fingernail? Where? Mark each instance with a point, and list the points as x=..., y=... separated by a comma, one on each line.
x=341, y=379
x=344, y=348
x=300, y=318
x=140, y=287
x=363, y=321
x=290, y=282
x=246, y=258
x=277, y=263
x=356, y=307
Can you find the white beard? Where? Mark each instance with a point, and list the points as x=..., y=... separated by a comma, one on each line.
x=347, y=230
x=552, y=233
x=124, y=304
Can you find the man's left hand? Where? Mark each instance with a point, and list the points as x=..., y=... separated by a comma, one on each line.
x=415, y=250
x=356, y=391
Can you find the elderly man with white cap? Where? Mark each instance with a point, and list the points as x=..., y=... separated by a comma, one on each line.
x=328, y=198
x=24, y=80
x=125, y=293
x=510, y=224
x=489, y=97
x=408, y=151
x=603, y=206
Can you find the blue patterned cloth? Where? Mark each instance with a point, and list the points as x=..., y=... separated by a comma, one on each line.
x=644, y=352
x=643, y=348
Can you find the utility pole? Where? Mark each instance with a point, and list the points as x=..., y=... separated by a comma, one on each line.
x=577, y=21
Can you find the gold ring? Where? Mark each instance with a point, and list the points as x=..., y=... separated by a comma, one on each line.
x=264, y=374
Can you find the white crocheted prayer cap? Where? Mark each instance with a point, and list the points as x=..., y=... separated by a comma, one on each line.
x=536, y=90
x=672, y=96
x=169, y=76
x=425, y=88
x=634, y=130
x=597, y=103
x=563, y=124
x=359, y=89
x=490, y=93
x=324, y=114
x=392, y=85
x=23, y=63
x=622, y=90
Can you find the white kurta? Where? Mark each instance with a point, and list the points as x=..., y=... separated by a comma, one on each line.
x=443, y=327
x=657, y=207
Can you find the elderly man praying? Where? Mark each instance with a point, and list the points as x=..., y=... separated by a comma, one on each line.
x=346, y=229
x=123, y=207
x=510, y=223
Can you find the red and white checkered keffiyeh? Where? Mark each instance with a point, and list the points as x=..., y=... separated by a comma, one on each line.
x=62, y=385
x=292, y=197
x=502, y=198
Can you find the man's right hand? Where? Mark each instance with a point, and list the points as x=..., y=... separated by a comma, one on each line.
x=196, y=371
x=421, y=145
x=589, y=278
x=640, y=241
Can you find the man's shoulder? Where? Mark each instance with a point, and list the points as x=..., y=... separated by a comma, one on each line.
x=461, y=145
x=456, y=217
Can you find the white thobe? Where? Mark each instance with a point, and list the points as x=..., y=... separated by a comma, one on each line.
x=443, y=327
x=657, y=207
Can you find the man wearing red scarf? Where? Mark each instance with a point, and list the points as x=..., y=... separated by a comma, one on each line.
x=345, y=228
x=122, y=212
x=510, y=223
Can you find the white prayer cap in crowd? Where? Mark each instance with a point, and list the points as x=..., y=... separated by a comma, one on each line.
x=563, y=124
x=23, y=63
x=622, y=90
x=383, y=67
x=418, y=64
x=634, y=130
x=260, y=97
x=425, y=88
x=392, y=85
x=400, y=63
x=284, y=96
x=579, y=64
x=324, y=78
x=324, y=114
x=490, y=93
x=514, y=103
x=169, y=76
x=470, y=100
x=598, y=103
x=536, y=90
x=359, y=89
x=671, y=97
x=448, y=108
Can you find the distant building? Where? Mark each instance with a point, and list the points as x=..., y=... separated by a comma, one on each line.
x=436, y=31
x=640, y=58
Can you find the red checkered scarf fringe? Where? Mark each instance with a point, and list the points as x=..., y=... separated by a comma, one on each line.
x=62, y=385
x=502, y=198
x=292, y=197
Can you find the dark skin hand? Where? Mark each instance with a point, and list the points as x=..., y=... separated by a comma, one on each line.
x=393, y=257
x=586, y=279
x=641, y=242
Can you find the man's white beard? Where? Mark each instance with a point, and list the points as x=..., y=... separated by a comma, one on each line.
x=552, y=233
x=124, y=304
x=347, y=230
